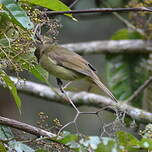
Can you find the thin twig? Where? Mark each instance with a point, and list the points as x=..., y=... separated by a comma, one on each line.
x=8, y=58
x=125, y=21
x=139, y=90
x=8, y=39
x=74, y=3
x=128, y=23
x=71, y=122
x=100, y=10
x=73, y=105
x=76, y=116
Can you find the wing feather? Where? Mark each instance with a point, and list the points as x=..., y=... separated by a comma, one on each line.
x=70, y=60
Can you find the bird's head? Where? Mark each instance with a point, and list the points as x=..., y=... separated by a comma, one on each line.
x=42, y=46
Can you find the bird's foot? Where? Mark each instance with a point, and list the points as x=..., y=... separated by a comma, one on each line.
x=60, y=83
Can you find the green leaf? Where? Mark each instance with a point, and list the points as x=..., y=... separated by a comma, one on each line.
x=4, y=42
x=71, y=140
x=11, y=86
x=91, y=141
x=67, y=138
x=80, y=144
x=146, y=143
x=125, y=34
x=127, y=139
x=2, y=148
x=125, y=73
x=19, y=147
x=5, y=133
x=37, y=71
x=118, y=76
x=108, y=145
x=4, y=20
x=40, y=73
x=55, y=5
x=17, y=14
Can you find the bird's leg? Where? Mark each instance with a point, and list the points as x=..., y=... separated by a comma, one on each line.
x=60, y=83
x=66, y=85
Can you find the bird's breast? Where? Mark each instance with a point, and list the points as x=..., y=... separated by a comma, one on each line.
x=59, y=71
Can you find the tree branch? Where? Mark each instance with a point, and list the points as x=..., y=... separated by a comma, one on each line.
x=82, y=98
x=74, y=3
x=111, y=46
x=139, y=90
x=101, y=10
x=25, y=127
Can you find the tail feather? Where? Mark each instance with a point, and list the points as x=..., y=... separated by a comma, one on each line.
x=97, y=81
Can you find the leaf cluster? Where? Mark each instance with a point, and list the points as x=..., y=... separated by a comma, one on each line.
x=71, y=142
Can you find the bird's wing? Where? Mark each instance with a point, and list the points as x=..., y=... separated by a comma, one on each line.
x=71, y=60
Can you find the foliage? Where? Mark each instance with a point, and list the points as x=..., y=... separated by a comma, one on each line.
x=122, y=77
x=142, y=20
x=51, y=4
x=125, y=73
x=17, y=14
x=123, y=142
x=17, y=40
x=17, y=47
x=10, y=84
x=7, y=142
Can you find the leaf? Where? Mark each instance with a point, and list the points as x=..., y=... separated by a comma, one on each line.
x=71, y=140
x=55, y=5
x=125, y=73
x=19, y=147
x=17, y=14
x=118, y=76
x=4, y=20
x=67, y=138
x=2, y=148
x=91, y=141
x=37, y=71
x=40, y=73
x=146, y=143
x=108, y=145
x=127, y=139
x=11, y=86
x=4, y=42
x=5, y=133
x=125, y=34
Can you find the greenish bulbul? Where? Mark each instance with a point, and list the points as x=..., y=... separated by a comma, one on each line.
x=67, y=65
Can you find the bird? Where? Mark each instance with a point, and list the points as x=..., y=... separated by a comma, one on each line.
x=68, y=65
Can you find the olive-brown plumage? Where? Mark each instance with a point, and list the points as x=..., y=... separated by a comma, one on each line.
x=68, y=65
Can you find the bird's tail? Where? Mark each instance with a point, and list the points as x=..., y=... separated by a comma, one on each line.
x=97, y=81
